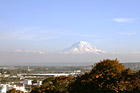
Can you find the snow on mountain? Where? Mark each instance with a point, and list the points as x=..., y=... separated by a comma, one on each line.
x=81, y=48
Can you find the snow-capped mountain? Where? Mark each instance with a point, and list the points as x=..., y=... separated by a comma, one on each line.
x=81, y=48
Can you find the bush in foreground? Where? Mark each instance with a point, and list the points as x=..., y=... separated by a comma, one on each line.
x=106, y=76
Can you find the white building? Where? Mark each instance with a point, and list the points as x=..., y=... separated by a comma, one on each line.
x=6, y=87
x=3, y=88
x=39, y=83
x=27, y=82
x=47, y=75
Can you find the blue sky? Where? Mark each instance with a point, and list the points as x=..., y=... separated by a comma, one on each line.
x=52, y=25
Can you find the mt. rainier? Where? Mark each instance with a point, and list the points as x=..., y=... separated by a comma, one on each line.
x=81, y=48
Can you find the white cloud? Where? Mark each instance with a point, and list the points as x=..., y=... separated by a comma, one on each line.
x=127, y=33
x=28, y=51
x=124, y=20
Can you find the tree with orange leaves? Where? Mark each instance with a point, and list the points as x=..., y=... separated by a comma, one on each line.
x=53, y=85
x=104, y=77
x=14, y=91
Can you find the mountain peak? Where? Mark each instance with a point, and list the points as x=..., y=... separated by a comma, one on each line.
x=82, y=47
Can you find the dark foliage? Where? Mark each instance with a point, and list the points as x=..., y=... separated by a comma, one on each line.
x=54, y=85
x=107, y=76
x=14, y=91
